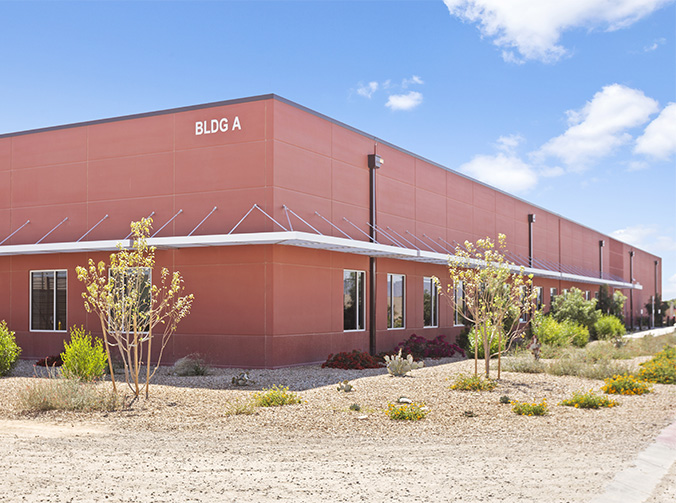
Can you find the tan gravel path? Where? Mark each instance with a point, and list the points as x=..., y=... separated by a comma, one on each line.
x=181, y=446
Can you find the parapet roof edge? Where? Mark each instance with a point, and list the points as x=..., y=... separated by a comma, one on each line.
x=273, y=96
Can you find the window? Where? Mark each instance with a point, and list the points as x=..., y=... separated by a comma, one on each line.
x=430, y=303
x=596, y=295
x=540, y=297
x=586, y=295
x=459, y=303
x=48, y=300
x=395, y=301
x=135, y=288
x=353, y=300
x=565, y=291
x=552, y=295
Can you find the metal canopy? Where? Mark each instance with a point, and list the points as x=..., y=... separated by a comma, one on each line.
x=319, y=241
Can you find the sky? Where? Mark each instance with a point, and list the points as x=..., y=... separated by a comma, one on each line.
x=568, y=105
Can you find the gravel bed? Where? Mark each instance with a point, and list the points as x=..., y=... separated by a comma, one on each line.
x=571, y=453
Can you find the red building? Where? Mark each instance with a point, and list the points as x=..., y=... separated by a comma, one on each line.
x=268, y=210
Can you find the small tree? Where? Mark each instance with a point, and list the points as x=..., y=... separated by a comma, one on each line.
x=132, y=310
x=497, y=295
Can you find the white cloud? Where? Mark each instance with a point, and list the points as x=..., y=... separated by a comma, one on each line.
x=510, y=142
x=413, y=80
x=367, y=90
x=659, y=138
x=404, y=101
x=600, y=126
x=505, y=171
x=652, y=47
x=533, y=27
x=653, y=238
x=669, y=289
x=637, y=166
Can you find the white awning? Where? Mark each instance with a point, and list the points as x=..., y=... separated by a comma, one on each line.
x=290, y=238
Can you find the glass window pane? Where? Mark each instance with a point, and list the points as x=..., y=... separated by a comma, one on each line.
x=42, y=300
x=349, y=300
x=427, y=303
x=361, y=290
x=61, y=298
x=395, y=301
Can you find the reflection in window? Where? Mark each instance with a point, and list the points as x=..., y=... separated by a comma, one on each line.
x=395, y=301
x=48, y=300
x=430, y=303
x=353, y=300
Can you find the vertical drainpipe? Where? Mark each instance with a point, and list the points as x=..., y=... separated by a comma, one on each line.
x=656, y=292
x=631, y=292
x=602, y=243
x=531, y=221
x=374, y=162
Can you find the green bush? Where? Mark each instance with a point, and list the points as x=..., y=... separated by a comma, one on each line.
x=83, y=358
x=626, y=384
x=573, y=307
x=530, y=409
x=67, y=394
x=589, y=400
x=9, y=351
x=608, y=327
x=661, y=368
x=525, y=365
x=407, y=412
x=551, y=332
x=577, y=334
x=494, y=344
x=472, y=382
x=275, y=397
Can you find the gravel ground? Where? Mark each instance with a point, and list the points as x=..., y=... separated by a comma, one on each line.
x=181, y=445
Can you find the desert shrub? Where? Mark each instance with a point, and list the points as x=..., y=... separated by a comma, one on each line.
x=608, y=327
x=50, y=361
x=580, y=368
x=649, y=345
x=191, y=365
x=589, y=400
x=661, y=368
x=473, y=382
x=473, y=338
x=83, y=358
x=69, y=395
x=599, y=351
x=625, y=384
x=9, y=350
x=530, y=409
x=275, y=397
x=398, y=366
x=420, y=347
x=355, y=407
x=240, y=407
x=526, y=365
x=577, y=334
x=407, y=412
x=548, y=330
x=573, y=307
x=354, y=360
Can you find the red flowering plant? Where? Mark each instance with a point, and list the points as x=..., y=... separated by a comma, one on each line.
x=358, y=360
x=420, y=347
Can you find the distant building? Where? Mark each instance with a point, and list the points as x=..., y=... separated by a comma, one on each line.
x=299, y=236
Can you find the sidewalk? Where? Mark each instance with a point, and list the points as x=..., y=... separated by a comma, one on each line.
x=653, y=331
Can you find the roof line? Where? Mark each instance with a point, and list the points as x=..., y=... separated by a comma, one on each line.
x=272, y=96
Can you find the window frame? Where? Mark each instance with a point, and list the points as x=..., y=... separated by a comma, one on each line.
x=30, y=301
x=390, y=303
x=360, y=315
x=434, y=302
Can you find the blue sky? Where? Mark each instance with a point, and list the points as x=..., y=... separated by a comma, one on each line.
x=570, y=105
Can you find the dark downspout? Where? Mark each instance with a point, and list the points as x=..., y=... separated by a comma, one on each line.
x=374, y=161
x=531, y=221
x=602, y=243
x=631, y=292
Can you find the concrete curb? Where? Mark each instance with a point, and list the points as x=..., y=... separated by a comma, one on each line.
x=655, y=332
x=636, y=484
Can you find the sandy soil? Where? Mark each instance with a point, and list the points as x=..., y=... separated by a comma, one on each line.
x=180, y=445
